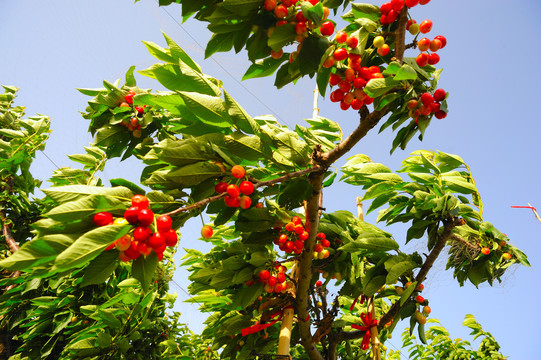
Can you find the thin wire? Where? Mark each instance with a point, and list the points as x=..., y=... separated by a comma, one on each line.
x=43, y=152
x=220, y=65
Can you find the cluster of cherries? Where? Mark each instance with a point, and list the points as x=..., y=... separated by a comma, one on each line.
x=286, y=11
x=133, y=124
x=234, y=191
x=141, y=240
x=391, y=10
x=420, y=316
x=428, y=104
x=274, y=282
x=292, y=239
x=351, y=83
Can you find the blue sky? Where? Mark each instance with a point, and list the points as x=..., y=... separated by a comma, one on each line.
x=490, y=69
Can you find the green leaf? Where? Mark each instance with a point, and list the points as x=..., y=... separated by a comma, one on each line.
x=209, y=109
x=88, y=246
x=143, y=269
x=377, y=87
x=248, y=147
x=100, y=268
x=407, y=293
x=38, y=251
x=421, y=331
x=247, y=295
x=282, y=36
x=398, y=266
x=406, y=72
x=62, y=194
x=294, y=192
x=313, y=49
x=262, y=68
x=136, y=189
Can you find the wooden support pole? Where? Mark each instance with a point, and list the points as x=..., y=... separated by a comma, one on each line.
x=374, y=340
x=285, y=331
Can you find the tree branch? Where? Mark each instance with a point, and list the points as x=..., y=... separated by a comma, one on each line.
x=208, y=200
x=6, y=231
x=400, y=35
x=449, y=225
x=368, y=121
x=304, y=273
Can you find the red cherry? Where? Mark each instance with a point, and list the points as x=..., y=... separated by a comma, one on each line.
x=290, y=226
x=131, y=215
x=374, y=69
x=303, y=236
x=233, y=190
x=425, y=26
x=143, y=248
x=301, y=28
x=221, y=187
x=440, y=114
x=264, y=274
x=319, y=283
x=238, y=172
x=439, y=95
x=340, y=54
x=300, y=17
x=271, y=280
x=325, y=243
x=442, y=39
x=299, y=229
x=435, y=107
x=245, y=202
x=334, y=79
x=164, y=223
x=289, y=246
x=427, y=99
x=132, y=251
x=327, y=28
x=139, y=110
x=102, y=218
x=280, y=277
x=368, y=100
x=141, y=233
x=246, y=187
x=423, y=44
x=206, y=232
x=269, y=5
x=232, y=201
x=171, y=237
x=412, y=3
x=341, y=37
x=282, y=239
x=280, y=11
x=337, y=95
x=385, y=8
x=344, y=86
x=124, y=104
x=419, y=299
x=392, y=16
x=352, y=42
x=318, y=248
x=384, y=50
x=422, y=59
x=145, y=217
x=365, y=73
x=140, y=201
x=424, y=2
x=129, y=99
x=397, y=5
x=356, y=104
x=435, y=45
x=359, y=83
x=433, y=59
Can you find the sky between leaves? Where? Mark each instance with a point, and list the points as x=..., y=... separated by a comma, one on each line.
x=490, y=69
